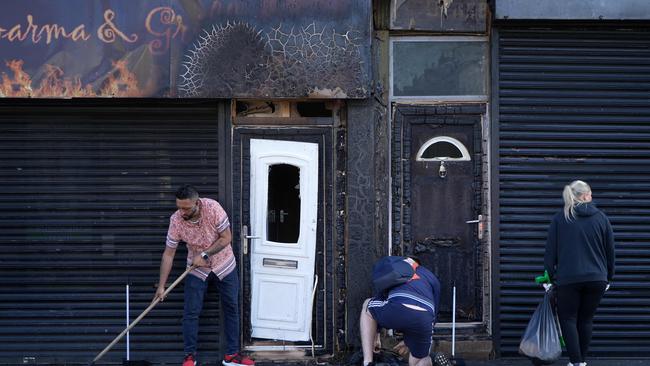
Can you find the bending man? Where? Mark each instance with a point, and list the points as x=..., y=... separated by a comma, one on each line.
x=410, y=308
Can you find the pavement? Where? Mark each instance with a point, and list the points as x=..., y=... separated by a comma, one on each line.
x=562, y=362
x=518, y=361
x=499, y=362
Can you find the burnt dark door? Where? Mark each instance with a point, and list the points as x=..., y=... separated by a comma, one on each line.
x=440, y=192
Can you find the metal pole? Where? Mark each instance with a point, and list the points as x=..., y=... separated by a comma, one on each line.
x=453, y=324
x=128, y=340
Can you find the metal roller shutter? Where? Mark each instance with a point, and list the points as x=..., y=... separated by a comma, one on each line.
x=86, y=191
x=575, y=104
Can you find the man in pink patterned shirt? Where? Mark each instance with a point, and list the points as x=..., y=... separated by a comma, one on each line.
x=203, y=225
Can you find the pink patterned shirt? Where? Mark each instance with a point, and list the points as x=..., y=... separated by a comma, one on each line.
x=201, y=236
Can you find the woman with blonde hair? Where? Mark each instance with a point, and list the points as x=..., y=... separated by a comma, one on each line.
x=579, y=259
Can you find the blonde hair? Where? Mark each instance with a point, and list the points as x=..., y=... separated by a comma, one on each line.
x=572, y=195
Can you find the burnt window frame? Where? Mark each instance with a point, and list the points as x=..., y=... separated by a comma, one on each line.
x=441, y=98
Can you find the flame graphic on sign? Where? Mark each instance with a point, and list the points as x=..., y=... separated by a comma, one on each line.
x=20, y=85
x=120, y=82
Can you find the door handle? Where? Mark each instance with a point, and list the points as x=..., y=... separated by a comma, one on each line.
x=244, y=238
x=282, y=215
x=478, y=220
x=481, y=225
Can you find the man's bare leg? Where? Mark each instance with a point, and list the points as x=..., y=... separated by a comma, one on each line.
x=377, y=346
x=368, y=328
x=420, y=361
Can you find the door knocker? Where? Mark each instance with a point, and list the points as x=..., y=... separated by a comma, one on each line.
x=442, y=172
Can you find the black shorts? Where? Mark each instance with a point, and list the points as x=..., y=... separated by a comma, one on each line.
x=416, y=325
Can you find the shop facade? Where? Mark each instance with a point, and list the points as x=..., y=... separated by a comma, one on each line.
x=109, y=107
x=333, y=133
x=570, y=101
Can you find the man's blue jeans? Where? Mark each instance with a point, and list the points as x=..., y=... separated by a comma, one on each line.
x=195, y=289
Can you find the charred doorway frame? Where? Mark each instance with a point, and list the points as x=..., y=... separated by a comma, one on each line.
x=330, y=134
x=401, y=194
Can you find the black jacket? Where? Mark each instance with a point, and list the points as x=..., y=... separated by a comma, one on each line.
x=580, y=249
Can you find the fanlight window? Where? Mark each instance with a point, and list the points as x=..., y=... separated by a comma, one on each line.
x=443, y=148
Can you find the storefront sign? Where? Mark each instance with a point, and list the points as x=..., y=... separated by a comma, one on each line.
x=177, y=48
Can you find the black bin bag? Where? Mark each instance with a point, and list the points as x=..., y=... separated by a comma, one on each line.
x=541, y=340
x=389, y=272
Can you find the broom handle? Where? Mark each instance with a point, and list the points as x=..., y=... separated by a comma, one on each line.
x=151, y=306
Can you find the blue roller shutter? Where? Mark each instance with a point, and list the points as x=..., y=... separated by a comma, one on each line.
x=86, y=191
x=574, y=103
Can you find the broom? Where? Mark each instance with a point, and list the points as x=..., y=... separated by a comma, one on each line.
x=145, y=312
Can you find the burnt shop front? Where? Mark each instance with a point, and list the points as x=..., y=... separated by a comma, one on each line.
x=107, y=108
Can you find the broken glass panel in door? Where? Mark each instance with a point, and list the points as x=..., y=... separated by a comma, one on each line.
x=283, y=213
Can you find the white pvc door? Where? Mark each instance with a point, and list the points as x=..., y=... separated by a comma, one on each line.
x=283, y=209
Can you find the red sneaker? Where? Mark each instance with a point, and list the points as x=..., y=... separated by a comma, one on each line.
x=237, y=359
x=189, y=360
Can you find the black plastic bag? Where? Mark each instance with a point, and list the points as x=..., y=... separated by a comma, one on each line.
x=382, y=358
x=541, y=340
x=389, y=272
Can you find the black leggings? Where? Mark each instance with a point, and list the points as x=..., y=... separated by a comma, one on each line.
x=576, y=306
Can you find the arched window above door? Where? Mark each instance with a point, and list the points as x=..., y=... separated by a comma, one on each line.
x=443, y=148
